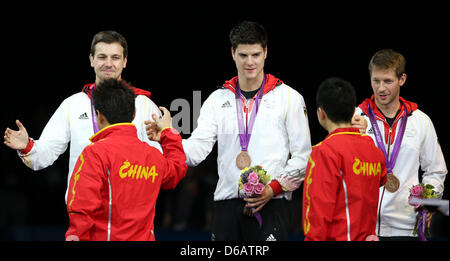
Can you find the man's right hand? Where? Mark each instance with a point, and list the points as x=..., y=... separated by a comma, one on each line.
x=155, y=127
x=17, y=140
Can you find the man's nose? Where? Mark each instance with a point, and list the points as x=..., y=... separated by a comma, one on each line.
x=108, y=62
x=382, y=86
x=249, y=60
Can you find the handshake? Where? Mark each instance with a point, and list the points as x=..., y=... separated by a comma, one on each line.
x=155, y=127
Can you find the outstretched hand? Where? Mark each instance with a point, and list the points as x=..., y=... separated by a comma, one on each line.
x=360, y=123
x=155, y=127
x=17, y=140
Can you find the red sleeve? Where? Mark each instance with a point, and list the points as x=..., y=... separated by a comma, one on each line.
x=175, y=158
x=28, y=147
x=276, y=187
x=319, y=194
x=84, y=194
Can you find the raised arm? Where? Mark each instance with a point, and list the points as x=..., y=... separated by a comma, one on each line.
x=161, y=130
x=39, y=154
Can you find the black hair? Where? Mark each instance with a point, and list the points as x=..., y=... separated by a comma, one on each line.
x=109, y=37
x=248, y=33
x=114, y=99
x=337, y=98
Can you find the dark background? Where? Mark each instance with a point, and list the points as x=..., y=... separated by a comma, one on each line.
x=176, y=49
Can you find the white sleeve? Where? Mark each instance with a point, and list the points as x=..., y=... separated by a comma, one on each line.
x=432, y=160
x=299, y=136
x=148, y=108
x=202, y=140
x=52, y=142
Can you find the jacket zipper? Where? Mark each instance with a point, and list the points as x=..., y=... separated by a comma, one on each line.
x=388, y=152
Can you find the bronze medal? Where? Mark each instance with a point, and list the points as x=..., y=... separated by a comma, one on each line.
x=243, y=160
x=392, y=183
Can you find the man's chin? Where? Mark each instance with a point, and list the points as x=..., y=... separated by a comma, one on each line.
x=106, y=77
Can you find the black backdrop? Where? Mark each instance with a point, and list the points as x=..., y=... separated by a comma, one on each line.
x=174, y=50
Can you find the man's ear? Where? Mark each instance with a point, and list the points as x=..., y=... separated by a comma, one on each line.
x=134, y=114
x=91, y=58
x=100, y=117
x=125, y=62
x=402, y=79
x=232, y=53
x=321, y=114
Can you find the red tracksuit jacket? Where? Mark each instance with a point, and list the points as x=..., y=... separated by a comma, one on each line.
x=340, y=192
x=116, y=181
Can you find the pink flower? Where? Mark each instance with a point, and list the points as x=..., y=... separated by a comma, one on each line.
x=253, y=178
x=249, y=189
x=259, y=188
x=416, y=191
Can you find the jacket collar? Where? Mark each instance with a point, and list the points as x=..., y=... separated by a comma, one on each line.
x=124, y=129
x=271, y=83
x=88, y=88
x=410, y=107
x=349, y=130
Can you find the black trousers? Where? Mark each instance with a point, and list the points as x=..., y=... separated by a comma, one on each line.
x=230, y=224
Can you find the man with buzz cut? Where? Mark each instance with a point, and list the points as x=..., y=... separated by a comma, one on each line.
x=117, y=179
x=344, y=172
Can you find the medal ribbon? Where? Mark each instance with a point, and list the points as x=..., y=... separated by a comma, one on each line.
x=94, y=115
x=390, y=163
x=245, y=134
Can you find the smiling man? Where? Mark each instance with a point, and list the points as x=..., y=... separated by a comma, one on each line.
x=407, y=138
x=74, y=120
x=108, y=60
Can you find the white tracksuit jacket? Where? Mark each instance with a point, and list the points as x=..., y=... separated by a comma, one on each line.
x=419, y=148
x=72, y=122
x=280, y=140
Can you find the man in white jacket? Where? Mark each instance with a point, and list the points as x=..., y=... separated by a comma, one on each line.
x=74, y=120
x=275, y=115
x=408, y=139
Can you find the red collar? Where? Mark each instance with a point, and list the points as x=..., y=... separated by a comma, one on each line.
x=88, y=88
x=125, y=128
x=271, y=83
x=348, y=130
x=410, y=107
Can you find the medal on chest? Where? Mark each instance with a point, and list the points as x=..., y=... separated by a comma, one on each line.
x=392, y=182
x=243, y=159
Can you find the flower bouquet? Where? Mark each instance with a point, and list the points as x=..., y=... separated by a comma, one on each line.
x=421, y=191
x=252, y=182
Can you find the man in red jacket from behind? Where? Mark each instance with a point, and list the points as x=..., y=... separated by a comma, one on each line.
x=344, y=172
x=116, y=180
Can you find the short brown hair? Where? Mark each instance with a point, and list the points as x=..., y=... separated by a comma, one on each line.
x=388, y=59
x=248, y=32
x=109, y=37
